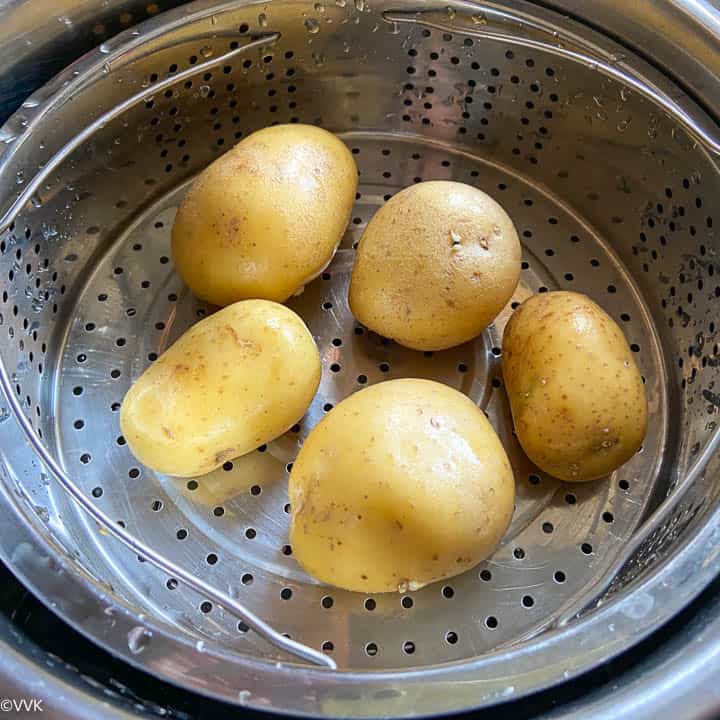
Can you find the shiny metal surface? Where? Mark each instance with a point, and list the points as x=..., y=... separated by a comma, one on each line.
x=102, y=222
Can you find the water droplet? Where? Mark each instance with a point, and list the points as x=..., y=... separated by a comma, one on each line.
x=623, y=125
x=200, y=646
x=312, y=25
x=601, y=115
x=206, y=51
x=104, y=48
x=360, y=5
x=48, y=231
x=244, y=696
x=4, y=414
x=450, y=11
x=20, y=177
x=479, y=19
x=262, y=20
x=42, y=513
x=625, y=94
x=318, y=58
x=213, y=20
x=138, y=639
x=30, y=103
x=106, y=67
x=36, y=201
x=6, y=136
x=319, y=7
x=341, y=3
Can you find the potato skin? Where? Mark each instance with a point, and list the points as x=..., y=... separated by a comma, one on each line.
x=401, y=484
x=435, y=266
x=266, y=217
x=576, y=395
x=232, y=382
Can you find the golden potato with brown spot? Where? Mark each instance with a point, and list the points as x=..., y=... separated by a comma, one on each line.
x=577, y=398
x=435, y=266
x=266, y=217
x=232, y=382
x=401, y=484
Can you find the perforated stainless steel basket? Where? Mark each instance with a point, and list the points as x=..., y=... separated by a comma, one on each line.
x=610, y=174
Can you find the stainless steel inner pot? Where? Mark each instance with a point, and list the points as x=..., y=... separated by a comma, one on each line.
x=609, y=172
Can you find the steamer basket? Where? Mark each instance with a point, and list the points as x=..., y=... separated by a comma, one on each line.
x=610, y=174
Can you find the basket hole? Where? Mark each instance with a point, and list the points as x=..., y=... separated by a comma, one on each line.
x=247, y=579
x=547, y=527
x=485, y=575
x=528, y=601
x=327, y=646
x=491, y=622
x=181, y=534
x=250, y=534
x=370, y=604
x=286, y=593
x=205, y=607
x=408, y=647
x=157, y=505
x=448, y=592
x=371, y=649
x=559, y=576
x=97, y=492
x=171, y=584
x=519, y=553
x=211, y=559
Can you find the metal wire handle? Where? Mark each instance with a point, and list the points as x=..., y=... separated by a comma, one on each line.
x=237, y=608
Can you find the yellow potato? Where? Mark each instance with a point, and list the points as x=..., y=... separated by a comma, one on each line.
x=435, y=266
x=576, y=395
x=232, y=382
x=266, y=217
x=401, y=484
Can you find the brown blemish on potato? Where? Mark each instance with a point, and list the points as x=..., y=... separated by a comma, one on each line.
x=223, y=455
x=167, y=432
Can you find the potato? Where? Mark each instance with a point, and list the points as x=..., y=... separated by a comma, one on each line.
x=232, y=382
x=576, y=395
x=401, y=484
x=266, y=217
x=435, y=266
